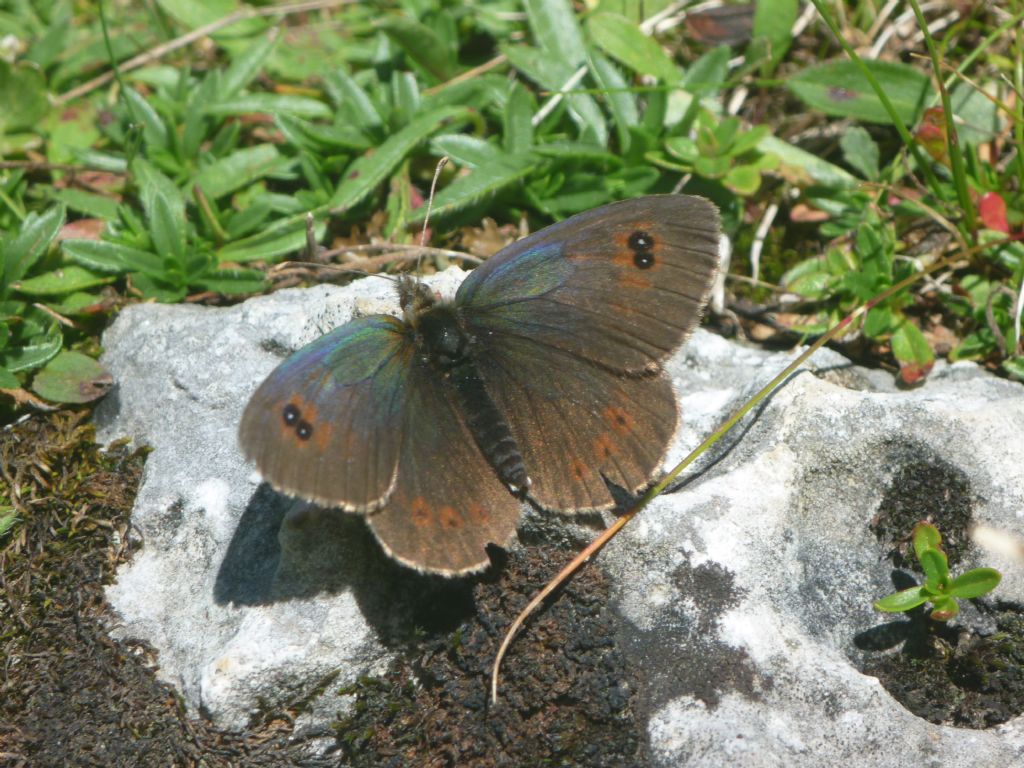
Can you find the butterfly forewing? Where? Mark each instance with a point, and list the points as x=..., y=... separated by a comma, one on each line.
x=322, y=425
x=448, y=504
x=622, y=285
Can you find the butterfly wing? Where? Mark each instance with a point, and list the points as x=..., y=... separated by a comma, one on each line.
x=325, y=425
x=571, y=325
x=448, y=503
x=621, y=285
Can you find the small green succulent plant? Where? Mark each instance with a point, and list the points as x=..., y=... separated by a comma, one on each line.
x=938, y=588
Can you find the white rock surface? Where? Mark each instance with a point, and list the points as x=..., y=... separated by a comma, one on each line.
x=745, y=592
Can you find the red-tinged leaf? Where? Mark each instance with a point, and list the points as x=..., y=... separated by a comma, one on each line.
x=83, y=229
x=912, y=352
x=931, y=134
x=913, y=374
x=992, y=210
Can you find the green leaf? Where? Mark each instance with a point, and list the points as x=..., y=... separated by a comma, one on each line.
x=72, y=377
x=518, y=119
x=421, y=44
x=803, y=168
x=838, y=88
x=975, y=583
x=355, y=104
x=245, y=66
x=1014, y=366
x=935, y=567
x=8, y=380
x=622, y=39
x=153, y=185
x=238, y=169
x=860, y=152
x=154, y=131
x=809, y=278
x=8, y=516
x=744, y=180
x=553, y=73
x=902, y=601
x=198, y=13
x=267, y=246
x=233, y=281
x=926, y=536
x=709, y=73
x=23, y=101
x=34, y=237
x=621, y=103
x=482, y=182
x=35, y=353
x=111, y=257
x=168, y=233
x=910, y=346
x=61, y=281
x=465, y=150
x=556, y=30
x=155, y=287
x=774, y=20
x=93, y=205
x=271, y=104
x=363, y=176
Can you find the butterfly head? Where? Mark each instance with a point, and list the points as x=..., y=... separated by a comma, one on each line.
x=414, y=297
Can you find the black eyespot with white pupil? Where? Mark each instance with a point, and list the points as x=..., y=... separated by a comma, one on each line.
x=293, y=420
x=642, y=245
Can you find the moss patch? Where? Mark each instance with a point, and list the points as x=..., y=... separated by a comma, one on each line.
x=953, y=676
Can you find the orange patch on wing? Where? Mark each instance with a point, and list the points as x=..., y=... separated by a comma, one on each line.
x=579, y=469
x=604, y=446
x=479, y=514
x=636, y=279
x=420, y=512
x=619, y=419
x=449, y=518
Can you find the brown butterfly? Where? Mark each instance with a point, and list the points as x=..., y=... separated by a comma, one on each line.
x=542, y=379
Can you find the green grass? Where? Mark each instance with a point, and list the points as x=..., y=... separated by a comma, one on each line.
x=187, y=176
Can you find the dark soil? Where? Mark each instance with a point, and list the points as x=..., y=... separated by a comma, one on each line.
x=565, y=695
x=69, y=694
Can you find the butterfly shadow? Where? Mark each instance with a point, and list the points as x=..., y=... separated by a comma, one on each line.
x=283, y=549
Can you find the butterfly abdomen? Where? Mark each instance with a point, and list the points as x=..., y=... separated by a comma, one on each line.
x=447, y=347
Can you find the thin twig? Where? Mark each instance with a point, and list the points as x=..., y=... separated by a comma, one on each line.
x=469, y=74
x=190, y=37
x=430, y=200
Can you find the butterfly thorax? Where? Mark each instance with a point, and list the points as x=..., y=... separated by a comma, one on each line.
x=443, y=343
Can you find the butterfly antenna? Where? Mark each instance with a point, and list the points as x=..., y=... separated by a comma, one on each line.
x=430, y=205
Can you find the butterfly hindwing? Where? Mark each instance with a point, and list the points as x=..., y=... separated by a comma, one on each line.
x=447, y=504
x=322, y=425
x=577, y=424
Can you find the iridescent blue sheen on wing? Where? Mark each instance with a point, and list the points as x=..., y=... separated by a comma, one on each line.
x=516, y=274
x=322, y=425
